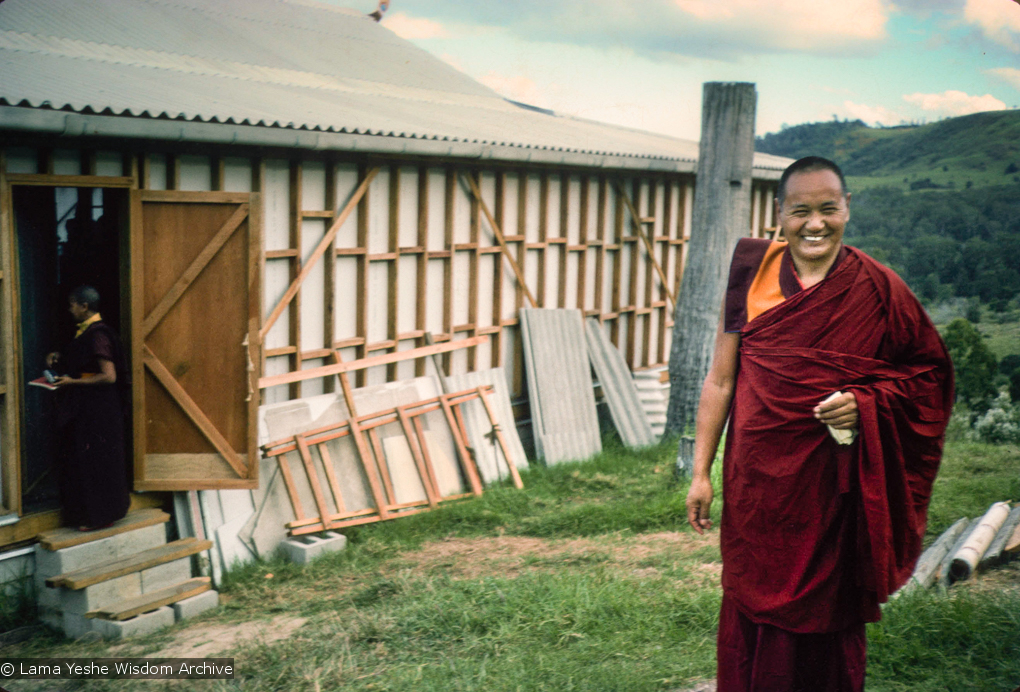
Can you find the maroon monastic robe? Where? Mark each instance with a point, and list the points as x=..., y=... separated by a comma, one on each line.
x=814, y=535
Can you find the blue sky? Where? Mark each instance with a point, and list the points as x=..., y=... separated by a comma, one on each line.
x=641, y=63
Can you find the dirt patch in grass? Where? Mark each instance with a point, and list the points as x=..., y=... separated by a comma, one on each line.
x=205, y=639
x=509, y=556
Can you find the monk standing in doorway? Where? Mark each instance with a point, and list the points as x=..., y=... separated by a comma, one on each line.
x=837, y=390
x=91, y=414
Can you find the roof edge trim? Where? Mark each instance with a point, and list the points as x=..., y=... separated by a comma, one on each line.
x=69, y=124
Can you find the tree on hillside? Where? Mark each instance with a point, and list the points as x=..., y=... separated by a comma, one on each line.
x=974, y=364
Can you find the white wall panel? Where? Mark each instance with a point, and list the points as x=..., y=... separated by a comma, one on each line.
x=461, y=212
x=573, y=230
x=109, y=163
x=315, y=386
x=195, y=172
x=277, y=365
x=379, y=212
x=22, y=160
x=313, y=289
x=157, y=172
x=461, y=288
x=346, y=324
x=534, y=208
x=237, y=174
x=346, y=179
x=434, y=305
x=508, y=308
x=437, y=209
x=408, y=206
x=67, y=162
x=313, y=186
x=276, y=205
x=378, y=301
x=486, y=283
x=275, y=283
x=407, y=294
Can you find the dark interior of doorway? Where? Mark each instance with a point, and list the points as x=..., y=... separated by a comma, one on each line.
x=66, y=237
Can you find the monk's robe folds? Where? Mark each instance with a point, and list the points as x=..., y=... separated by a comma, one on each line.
x=816, y=535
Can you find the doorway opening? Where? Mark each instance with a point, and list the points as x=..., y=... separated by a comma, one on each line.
x=66, y=237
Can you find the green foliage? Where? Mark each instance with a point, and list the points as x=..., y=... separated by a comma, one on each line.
x=1000, y=424
x=974, y=364
x=982, y=147
x=1014, y=386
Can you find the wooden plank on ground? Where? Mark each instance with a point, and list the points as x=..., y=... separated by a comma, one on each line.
x=150, y=601
x=70, y=536
x=88, y=576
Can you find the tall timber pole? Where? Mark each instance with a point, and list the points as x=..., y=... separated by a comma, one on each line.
x=721, y=216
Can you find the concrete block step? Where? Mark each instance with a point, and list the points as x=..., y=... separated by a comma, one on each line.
x=144, y=560
x=196, y=605
x=151, y=601
x=146, y=623
x=49, y=563
x=69, y=536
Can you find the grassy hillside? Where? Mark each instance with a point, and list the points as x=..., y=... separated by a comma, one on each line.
x=976, y=150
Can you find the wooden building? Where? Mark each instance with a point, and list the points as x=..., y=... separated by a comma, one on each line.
x=189, y=157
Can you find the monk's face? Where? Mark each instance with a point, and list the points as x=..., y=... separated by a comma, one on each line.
x=813, y=217
x=78, y=311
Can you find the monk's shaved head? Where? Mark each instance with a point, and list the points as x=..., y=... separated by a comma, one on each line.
x=807, y=165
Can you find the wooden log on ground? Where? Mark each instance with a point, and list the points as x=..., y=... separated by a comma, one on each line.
x=927, y=570
x=994, y=553
x=964, y=535
x=966, y=559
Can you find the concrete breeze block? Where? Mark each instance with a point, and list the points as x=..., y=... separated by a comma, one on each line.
x=190, y=607
x=303, y=549
x=168, y=574
x=54, y=562
x=146, y=623
x=102, y=594
x=75, y=626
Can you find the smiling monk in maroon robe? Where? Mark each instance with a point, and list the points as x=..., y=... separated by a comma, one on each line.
x=816, y=341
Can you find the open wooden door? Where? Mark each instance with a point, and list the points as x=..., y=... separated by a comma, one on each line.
x=195, y=313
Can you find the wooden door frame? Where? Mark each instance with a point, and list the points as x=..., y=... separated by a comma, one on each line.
x=138, y=364
x=12, y=386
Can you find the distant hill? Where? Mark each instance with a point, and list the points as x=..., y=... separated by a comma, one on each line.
x=976, y=150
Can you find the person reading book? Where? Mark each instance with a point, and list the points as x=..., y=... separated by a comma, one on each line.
x=92, y=399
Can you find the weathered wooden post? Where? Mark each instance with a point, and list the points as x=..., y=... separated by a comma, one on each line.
x=721, y=216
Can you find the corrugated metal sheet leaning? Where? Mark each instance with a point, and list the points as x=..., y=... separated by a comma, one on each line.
x=563, y=418
x=618, y=387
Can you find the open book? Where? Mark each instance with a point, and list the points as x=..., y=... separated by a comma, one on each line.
x=42, y=382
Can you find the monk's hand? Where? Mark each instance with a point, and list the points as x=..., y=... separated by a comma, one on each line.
x=699, y=501
x=840, y=412
x=63, y=381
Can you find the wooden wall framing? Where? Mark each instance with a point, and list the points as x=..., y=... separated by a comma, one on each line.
x=418, y=254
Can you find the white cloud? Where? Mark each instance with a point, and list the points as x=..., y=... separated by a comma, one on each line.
x=953, y=103
x=413, y=28
x=1010, y=75
x=515, y=87
x=999, y=20
x=697, y=28
x=872, y=115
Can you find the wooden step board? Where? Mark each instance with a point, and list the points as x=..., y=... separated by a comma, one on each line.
x=69, y=536
x=152, y=557
x=150, y=601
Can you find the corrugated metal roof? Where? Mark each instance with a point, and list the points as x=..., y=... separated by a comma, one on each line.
x=276, y=63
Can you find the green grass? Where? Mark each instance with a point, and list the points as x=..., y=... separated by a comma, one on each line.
x=584, y=609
